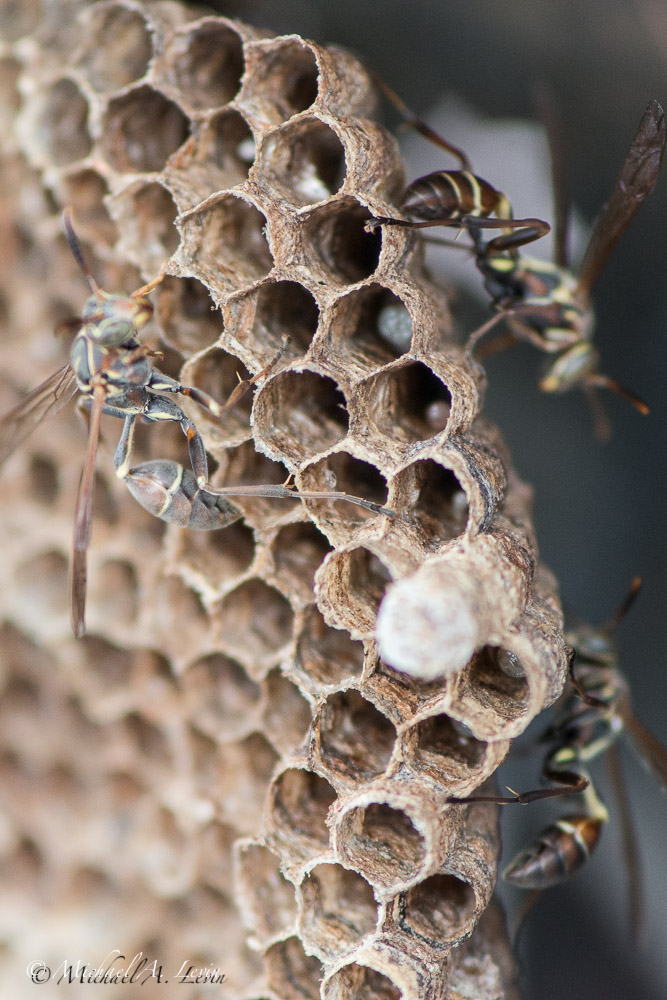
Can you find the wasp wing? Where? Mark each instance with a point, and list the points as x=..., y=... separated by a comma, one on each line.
x=635, y=181
x=44, y=401
x=646, y=745
x=83, y=519
x=636, y=905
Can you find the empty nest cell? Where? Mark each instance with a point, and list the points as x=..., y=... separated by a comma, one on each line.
x=19, y=18
x=300, y=413
x=275, y=309
x=63, y=124
x=189, y=319
x=116, y=588
x=439, y=911
x=255, y=621
x=20, y=656
x=10, y=97
x=356, y=980
x=227, y=241
x=355, y=740
x=350, y=586
x=127, y=48
x=44, y=479
x=447, y=751
x=268, y=898
x=338, y=910
x=381, y=843
x=244, y=770
x=369, y=327
x=299, y=805
x=43, y=579
x=493, y=695
x=172, y=600
x=147, y=219
x=85, y=191
x=286, y=715
x=298, y=551
x=336, y=244
x=207, y=64
x=326, y=656
x=226, y=147
x=292, y=974
x=304, y=161
x=214, y=560
x=438, y=504
x=133, y=738
x=106, y=671
x=282, y=80
x=141, y=129
x=221, y=700
x=407, y=402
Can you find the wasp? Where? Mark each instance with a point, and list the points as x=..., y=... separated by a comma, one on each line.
x=587, y=726
x=454, y=197
x=545, y=303
x=113, y=373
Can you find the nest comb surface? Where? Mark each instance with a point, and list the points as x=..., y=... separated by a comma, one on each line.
x=226, y=747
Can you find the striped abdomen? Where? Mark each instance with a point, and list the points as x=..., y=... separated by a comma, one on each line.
x=170, y=492
x=453, y=194
x=559, y=851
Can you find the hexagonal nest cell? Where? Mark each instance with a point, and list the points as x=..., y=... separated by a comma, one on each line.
x=225, y=749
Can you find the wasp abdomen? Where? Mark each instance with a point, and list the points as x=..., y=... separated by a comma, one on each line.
x=169, y=491
x=452, y=194
x=560, y=850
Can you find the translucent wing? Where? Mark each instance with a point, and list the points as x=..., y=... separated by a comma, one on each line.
x=83, y=519
x=635, y=181
x=633, y=874
x=646, y=745
x=44, y=401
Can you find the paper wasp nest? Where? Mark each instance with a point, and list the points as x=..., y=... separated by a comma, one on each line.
x=225, y=742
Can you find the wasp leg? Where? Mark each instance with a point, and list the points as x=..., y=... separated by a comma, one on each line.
x=144, y=480
x=162, y=383
x=570, y=783
x=527, y=230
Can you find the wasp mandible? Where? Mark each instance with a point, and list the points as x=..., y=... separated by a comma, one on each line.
x=114, y=375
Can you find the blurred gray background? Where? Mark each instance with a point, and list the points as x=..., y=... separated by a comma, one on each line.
x=600, y=510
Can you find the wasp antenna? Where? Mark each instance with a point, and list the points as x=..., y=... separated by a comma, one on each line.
x=625, y=605
x=413, y=121
x=77, y=253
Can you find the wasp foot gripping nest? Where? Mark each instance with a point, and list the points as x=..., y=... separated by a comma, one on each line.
x=227, y=742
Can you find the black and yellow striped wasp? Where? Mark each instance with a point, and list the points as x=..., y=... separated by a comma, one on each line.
x=113, y=373
x=587, y=725
x=455, y=197
x=544, y=303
